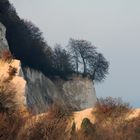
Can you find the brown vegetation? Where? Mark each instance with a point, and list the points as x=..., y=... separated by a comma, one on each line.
x=111, y=120
x=49, y=126
x=10, y=117
x=111, y=108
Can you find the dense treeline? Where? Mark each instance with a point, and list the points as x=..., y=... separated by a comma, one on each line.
x=25, y=40
x=27, y=44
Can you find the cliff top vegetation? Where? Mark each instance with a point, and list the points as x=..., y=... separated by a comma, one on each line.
x=27, y=44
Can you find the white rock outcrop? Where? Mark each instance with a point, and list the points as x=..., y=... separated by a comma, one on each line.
x=79, y=92
x=40, y=90
x=3, y=41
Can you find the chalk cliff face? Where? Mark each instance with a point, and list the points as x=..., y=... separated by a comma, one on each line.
x=79, y=92
x=41, y=92
x=3, y=41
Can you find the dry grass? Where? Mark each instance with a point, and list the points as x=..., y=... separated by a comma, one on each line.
x=111, y=108
x=55, y=125
x=58, y=124
x=49, y=126
x=111, y=122
x=111, y=114
x=10, y=125
x=10, y=117
x=7, y=96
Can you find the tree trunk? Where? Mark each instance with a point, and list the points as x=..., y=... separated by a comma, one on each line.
x=84, y=63
x=93, y=75
x=76, y=65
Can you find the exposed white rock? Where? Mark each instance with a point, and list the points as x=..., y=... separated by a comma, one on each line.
x=3, y=41
x=41, y=92
x=81, y=91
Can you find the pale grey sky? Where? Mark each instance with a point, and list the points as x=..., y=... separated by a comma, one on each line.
x=111, y=25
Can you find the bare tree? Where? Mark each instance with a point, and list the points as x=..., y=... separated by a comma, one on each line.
x=81, y=50
x=85, y=54
x=98, y=67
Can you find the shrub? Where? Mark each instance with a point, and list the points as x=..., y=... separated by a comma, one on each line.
x=7, y=96
x=111, y=114
x=131, y=129
x=111, y=108
x=49, y=126
x=10, y=116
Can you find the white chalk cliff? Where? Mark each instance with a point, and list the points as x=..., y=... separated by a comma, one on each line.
x=41, y=92
x=3, y=41
x=79, y=93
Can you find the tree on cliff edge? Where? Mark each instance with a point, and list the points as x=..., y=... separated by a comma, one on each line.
x=81, y=50
x=86, y=58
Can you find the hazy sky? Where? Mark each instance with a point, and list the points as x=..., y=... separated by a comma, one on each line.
x=111, y=25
